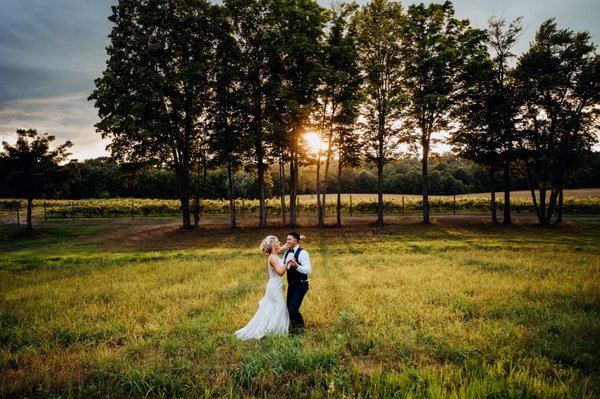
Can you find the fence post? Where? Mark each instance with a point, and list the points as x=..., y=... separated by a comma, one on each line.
x=73, y=210
x=403, y=205
x=132, y=210
x=45, y=216
x=350, y=205
x=454, y=205
x=242, y=208
x=18, y=216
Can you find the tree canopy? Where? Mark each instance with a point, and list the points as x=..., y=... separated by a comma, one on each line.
x=31, y=169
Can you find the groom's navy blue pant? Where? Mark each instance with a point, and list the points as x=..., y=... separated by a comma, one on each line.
x=295, y=295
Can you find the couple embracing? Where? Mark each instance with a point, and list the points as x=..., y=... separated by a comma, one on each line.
x=274, y=313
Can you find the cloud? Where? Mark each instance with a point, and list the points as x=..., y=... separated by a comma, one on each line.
x=51, y=48
x=50, y=54
x=69, y=117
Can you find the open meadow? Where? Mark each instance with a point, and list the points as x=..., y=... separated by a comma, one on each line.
x=457, y=309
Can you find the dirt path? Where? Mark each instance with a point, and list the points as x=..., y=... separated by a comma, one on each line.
x=158, y=234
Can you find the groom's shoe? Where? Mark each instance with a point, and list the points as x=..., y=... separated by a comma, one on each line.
x=299, y=330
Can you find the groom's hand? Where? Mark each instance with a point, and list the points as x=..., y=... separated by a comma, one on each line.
x=294, y=263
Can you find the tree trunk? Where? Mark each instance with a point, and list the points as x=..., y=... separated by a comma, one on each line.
x=29, y=210
x=493, y=192
x=339, y=192
x=543, y=221
x=380, y=163
x=198, y=189
x=533, y=196
x=380, y=192
x=327, y=164
x=320, y=210
x=554, y=195
x=507, y=218
x=292, y=194
x=552, y=202
x=294, y=178
x=196, y=209
x=282, y=183
x=425, y=179
x=320, y=207
x=328, y=159
x=257, y=111
x=184, y=194
x=230, y=178
x=560, y=206
x=261, y=186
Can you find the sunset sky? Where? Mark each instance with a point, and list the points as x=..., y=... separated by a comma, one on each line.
x=52, y=50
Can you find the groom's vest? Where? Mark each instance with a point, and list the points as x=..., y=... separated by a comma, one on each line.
x=293, y=275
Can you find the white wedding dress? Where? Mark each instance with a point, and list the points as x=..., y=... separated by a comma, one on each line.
x=272, y=317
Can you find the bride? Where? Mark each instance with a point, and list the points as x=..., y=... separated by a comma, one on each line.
x=272, y=317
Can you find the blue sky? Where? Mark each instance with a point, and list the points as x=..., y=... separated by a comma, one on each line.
x=52, y=50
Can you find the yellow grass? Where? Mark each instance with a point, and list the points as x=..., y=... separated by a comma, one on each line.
x=449, y=310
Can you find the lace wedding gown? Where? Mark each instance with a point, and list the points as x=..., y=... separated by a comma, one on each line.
x=272, y=317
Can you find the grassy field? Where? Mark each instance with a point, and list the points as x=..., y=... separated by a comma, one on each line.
x=456, y=309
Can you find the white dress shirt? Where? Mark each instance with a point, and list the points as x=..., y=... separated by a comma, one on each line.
x=303, y=260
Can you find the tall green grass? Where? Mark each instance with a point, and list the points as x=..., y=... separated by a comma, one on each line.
x=413, y=311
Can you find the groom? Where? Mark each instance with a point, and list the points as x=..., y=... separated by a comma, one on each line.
x=298, y=266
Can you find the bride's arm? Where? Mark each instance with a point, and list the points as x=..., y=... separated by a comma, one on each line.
x=282, y=249
x=285, y=247
x=274, y=261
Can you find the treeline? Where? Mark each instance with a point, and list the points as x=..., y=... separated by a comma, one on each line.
x=105, y=178
x=195, y=87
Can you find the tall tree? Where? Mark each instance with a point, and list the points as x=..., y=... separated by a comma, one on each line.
x=152, y=96
x=30, y=169
x=251, y=20
x=435, y=47
x=296, y=37
x=478, y=131
x=501, y=39
x=559, y=80
x=487, y=109
x=379, y=29
x=350, y=152
x=340, y=94
x=227, y=116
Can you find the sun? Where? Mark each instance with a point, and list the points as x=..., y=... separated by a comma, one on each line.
x=314, y=142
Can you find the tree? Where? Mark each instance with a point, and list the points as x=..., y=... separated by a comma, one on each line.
x=251, y=20
x=487, y=109
x=296, y=36
x=477, y=136
x=379, y=26
x=340, y=95
x=152, y=96
x=502, y=39
x=30, y=169
x=227, y=140
x=559, y=82
x=349, y=155
x=435, y=47
x=99, y=179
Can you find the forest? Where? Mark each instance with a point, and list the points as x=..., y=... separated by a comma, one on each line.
x=105, y=178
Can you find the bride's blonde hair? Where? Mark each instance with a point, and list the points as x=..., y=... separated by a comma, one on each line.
x=268, y=245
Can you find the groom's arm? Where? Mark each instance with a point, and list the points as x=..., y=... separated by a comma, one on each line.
x=304, y=266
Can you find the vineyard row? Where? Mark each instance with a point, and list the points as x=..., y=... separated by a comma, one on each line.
x=157, y=207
